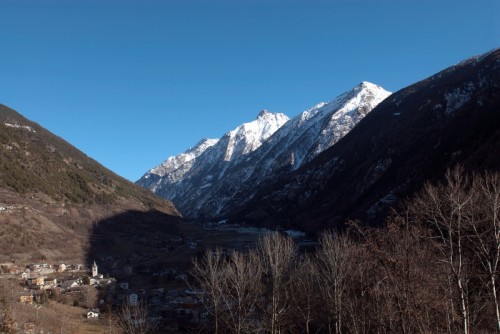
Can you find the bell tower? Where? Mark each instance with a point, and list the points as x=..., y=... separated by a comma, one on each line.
x=94, y=270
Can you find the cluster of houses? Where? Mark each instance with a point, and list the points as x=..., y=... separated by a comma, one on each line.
x=35, y=276
x=46, y=268
x=35, y=279
x=167, y=305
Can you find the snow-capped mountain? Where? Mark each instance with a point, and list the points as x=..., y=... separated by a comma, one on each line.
x=229, y=172
x=316, y=129
x=184, y=176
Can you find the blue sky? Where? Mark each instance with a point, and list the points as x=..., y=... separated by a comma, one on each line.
x=133, y=82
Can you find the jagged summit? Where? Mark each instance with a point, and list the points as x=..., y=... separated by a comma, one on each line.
x=367, y=84
x=263, y=113
x=211, y=157
x=272, y=144
x=321, y=126
x=249, y=136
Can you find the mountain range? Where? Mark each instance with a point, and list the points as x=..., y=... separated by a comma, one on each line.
x=350, y=158
x=215, y=176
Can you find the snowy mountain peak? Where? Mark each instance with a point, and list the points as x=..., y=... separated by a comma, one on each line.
x=369, y=88
x=344, y=112
x=263, y=113
x=367, y=85
x=249, y=136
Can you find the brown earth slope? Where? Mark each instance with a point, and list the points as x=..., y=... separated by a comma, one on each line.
x=51, y=194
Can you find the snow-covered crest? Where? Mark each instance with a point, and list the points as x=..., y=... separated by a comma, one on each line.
x=174, y=162
x=206, y=178
x=318, y=128
x=202, y=159
x=248, y=137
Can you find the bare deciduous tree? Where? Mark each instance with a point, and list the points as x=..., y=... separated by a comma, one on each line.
x=278, y=254
x=448, y=208
x=305, y=293
x=408, y=276
x=485, y=231
x=90, y=295
x=209, y=274
x=112, y=324
x=241, y=292
x=363, y=299
x=334, y=260
x=135, y=319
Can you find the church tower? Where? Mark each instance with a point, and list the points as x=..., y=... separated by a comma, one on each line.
x=94, y=270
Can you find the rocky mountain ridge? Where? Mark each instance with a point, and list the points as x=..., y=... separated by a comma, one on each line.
x=228, y=173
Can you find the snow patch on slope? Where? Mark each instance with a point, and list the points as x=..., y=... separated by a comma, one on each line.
x=458, y=97
x=22, y=127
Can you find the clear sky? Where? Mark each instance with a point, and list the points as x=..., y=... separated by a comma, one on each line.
x=133, y=82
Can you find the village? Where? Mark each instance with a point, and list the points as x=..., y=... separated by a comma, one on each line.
x=99, y=295
x=150, y=278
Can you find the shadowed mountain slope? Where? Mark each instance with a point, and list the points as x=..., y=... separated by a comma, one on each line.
x=411, y=137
